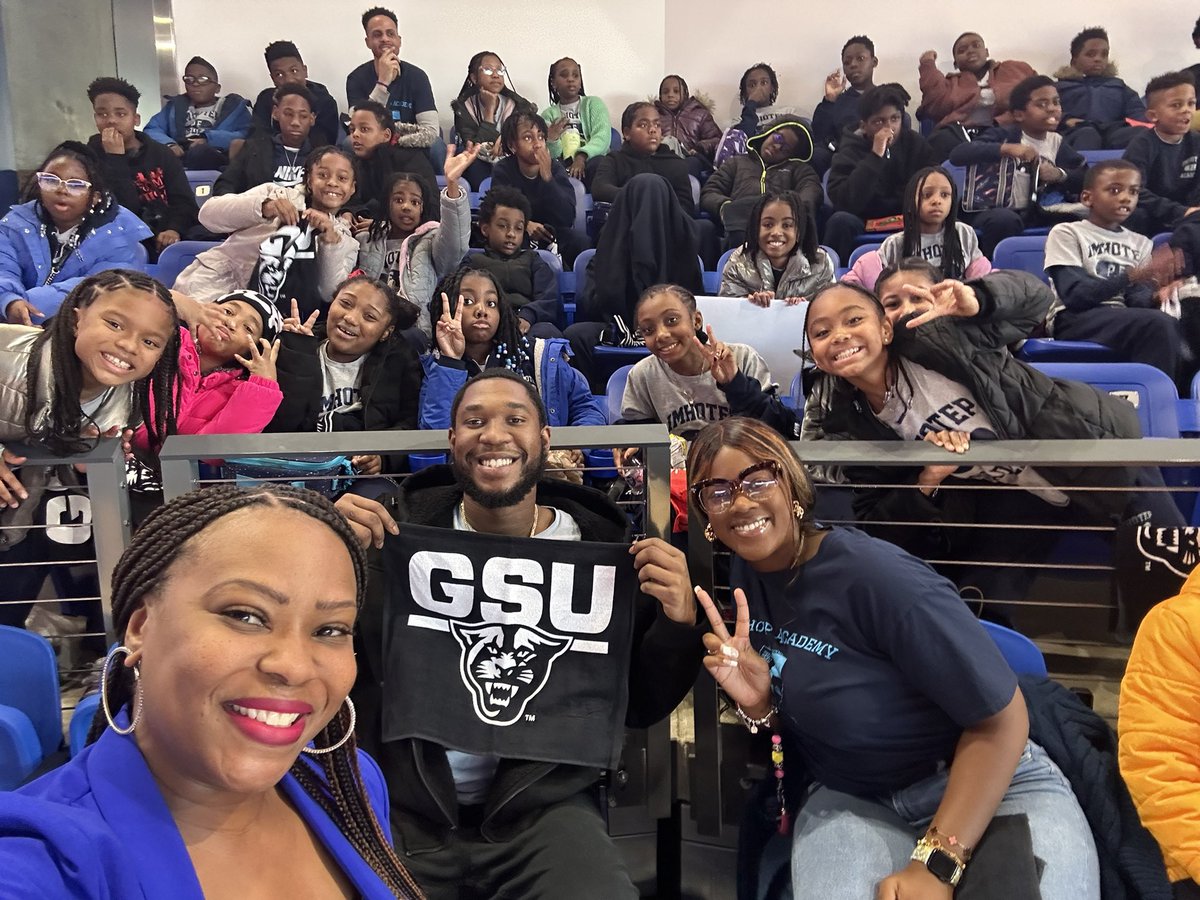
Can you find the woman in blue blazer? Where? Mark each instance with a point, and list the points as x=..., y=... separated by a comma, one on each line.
x=226, y=758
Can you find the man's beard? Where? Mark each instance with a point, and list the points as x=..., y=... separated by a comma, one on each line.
x=530, y=476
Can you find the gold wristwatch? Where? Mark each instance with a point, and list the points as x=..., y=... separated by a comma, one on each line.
x=944, y=867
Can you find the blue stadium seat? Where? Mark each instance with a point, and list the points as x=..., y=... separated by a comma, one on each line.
x=141, y=256
x=81, y=722
x=614, y=392
x=1095, y=156
x=616, y=140
x=712, y=283
x=485, y=185
x=202, y=181
x=1161, y=238
x=833, y=257
x=583, y=205
x=1049, y=350
x=177, y=257
x=958, y=174
x=29, y=683
x=20, y=751
x=860, y=251
x=795, y=396
x=724, y=259
x=1021, y=654
x=581, y=263
x=1026, y=253
x=1150, y=390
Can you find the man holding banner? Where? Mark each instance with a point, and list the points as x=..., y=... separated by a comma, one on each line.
x=497, y=669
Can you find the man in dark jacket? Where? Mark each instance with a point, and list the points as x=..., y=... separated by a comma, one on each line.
x=775, y=162
x=537, y=830
x=286, y=67
x=276, y=155
x=871, y=167
x=143, y=175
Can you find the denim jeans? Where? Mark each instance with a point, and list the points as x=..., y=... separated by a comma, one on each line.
x=843, y=845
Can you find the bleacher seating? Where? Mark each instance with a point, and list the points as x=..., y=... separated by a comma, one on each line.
x=1150, y=390
x=202, y=181
x=28, y=691
x=1021, y=654
x=614, y=392
x=1050, y=350
x=1024, y=252
x=177, y=257
x=1095, y=156
x=81, y=722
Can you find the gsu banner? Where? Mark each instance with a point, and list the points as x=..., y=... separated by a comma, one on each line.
x=515, y=647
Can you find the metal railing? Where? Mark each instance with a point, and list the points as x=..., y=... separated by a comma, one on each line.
x=715, y=800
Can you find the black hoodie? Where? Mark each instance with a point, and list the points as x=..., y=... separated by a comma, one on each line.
x=872, y=186
x=663, y=666
x=150, y=183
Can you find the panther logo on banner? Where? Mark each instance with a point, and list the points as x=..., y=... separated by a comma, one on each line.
x=513, y=647
x=505, y=666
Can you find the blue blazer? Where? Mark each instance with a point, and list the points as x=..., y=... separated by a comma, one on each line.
x=98, y=829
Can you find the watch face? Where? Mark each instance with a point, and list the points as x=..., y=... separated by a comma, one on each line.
x=942, y=865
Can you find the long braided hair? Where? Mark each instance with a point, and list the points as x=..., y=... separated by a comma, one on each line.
x=155, y=397
x=144, y=567
x=954, y=262
x=510, y=348
x=550, y=78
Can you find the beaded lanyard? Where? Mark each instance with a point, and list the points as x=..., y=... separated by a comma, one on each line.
x=784, y=825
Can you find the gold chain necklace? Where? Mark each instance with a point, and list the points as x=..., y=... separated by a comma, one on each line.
x=462, y=512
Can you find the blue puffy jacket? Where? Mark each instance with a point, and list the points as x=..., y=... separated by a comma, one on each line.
x=564, y=390
x=233, y=121
x=111, y=243
x=1099, y=99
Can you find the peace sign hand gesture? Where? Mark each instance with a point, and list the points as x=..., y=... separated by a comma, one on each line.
x=737, y=667
x=946, y=298
x=720, y=360
x=293, y=323
x=262, y=363
x=449, y=333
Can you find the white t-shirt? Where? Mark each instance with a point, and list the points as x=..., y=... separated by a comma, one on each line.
x=932, y=246
x=925, y=401
x=91, y=407
x=1098, y=251
x=340, y=388
x=1047, y=149
x=570, y=112
x=684, y=403
x=473, y=772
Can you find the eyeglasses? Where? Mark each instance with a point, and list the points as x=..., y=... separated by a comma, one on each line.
x=198, y=79
x=488, y=70
x=755, y=483
x=48, y=181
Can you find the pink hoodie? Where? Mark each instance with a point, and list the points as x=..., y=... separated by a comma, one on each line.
x=221, y=402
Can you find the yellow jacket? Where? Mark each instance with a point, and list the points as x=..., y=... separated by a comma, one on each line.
x=1160, y=728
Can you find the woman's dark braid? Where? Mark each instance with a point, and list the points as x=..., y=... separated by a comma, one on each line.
x=143, y=568
x=343, y=796
x=60, y=434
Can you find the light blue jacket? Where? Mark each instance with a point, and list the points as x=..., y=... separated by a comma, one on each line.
x=25, y=260
x=98, y=828
x=564, y=390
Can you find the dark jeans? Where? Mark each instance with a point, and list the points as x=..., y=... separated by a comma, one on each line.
x=841, y=232
x=566, y=852
x=205, y=156
x=994, y=225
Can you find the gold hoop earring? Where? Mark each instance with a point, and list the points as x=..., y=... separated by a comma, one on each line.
x=709, y=534
x=797, y=509
x=317, y=751
x=137, y=692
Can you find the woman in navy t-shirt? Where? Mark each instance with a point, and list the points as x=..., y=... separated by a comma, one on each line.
x=888, y=692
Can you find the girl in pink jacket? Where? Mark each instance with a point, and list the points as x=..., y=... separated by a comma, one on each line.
x=227, y=382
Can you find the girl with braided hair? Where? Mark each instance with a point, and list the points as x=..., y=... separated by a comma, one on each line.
x=224, y=761
x=68, y=227
x=477, y=328
x=104, y=363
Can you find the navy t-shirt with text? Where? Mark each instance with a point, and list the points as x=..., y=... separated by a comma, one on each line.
x=876, y=664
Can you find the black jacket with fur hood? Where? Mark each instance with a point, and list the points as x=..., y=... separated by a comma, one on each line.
x=424, y=807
